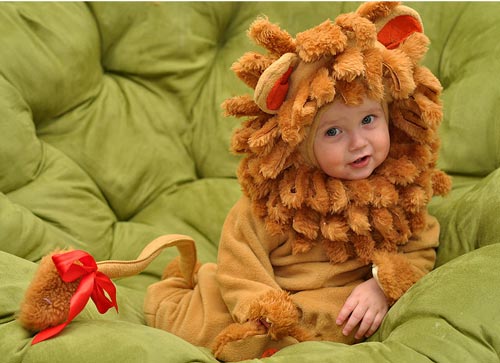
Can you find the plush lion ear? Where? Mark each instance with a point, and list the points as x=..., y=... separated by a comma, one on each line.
x=393, y=21
x=398, y=26
x=272, y=87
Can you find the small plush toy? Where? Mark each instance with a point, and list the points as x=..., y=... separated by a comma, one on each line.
x=299, y=241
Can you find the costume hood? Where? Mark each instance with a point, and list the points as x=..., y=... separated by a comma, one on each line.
x=374, y=52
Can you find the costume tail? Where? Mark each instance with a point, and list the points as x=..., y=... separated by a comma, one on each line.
x=185, y=245
x=65, y=280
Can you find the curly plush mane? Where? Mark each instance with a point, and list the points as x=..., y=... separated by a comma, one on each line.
x=340, y=58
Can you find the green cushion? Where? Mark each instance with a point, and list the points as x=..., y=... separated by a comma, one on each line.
x=111, y=134
x=468, y=216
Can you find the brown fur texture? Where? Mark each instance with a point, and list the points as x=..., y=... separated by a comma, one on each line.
x=274, y=309
x=47, y=300
x=395, y=268
x=279, y=311
x=341, y=58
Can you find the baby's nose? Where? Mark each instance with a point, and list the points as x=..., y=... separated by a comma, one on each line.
x=357, y=141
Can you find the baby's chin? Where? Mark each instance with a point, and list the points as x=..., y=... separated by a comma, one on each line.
x=350, y=173
x=351, y=176
x=358, y=176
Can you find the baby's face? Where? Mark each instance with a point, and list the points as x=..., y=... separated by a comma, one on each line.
x=351, y=141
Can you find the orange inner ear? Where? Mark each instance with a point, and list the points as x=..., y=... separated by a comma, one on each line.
x=278, y=93
x=397, y=30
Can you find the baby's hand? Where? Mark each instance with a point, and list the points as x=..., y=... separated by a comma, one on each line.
x=366, y=304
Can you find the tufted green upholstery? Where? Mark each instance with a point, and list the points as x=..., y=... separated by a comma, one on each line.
x=111, y=134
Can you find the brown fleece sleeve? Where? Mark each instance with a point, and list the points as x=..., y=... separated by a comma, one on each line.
x=397, y=272
x=245, y=274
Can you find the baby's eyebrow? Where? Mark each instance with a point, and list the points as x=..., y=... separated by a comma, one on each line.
x=374, y=109
x=329, y=122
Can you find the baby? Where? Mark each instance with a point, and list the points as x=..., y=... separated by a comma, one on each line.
x=340, y=149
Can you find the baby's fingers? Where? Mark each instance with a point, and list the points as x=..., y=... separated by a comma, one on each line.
x=375, y=325
x=346, y=311
x=356, y=316
x=366, y=325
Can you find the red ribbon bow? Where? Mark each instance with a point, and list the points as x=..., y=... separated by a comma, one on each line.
x=72, y=266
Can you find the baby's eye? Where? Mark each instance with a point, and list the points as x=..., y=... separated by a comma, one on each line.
x=332, y=131
x=367, y=120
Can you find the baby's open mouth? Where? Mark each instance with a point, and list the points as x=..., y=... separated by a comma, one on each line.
x=360, y=160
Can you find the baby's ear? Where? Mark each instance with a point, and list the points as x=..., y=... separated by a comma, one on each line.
x=393, y=21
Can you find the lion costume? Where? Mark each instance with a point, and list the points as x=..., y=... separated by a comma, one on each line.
x=298, y=241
